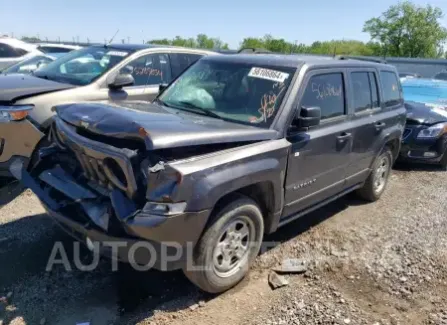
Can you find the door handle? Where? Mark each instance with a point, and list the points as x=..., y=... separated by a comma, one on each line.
x=379, y=126
x=344, y=136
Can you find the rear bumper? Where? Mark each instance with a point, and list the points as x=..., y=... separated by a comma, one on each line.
x=430, y=151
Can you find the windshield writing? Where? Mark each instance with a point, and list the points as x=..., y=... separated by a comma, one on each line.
x=238, y=92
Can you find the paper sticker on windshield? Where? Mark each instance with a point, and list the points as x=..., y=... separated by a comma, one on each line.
x=268, y=74
x=116, y=53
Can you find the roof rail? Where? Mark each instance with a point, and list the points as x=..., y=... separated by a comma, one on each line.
x=253, y=50
x=361, y=58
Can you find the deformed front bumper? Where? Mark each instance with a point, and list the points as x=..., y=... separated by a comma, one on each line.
x=162, y=242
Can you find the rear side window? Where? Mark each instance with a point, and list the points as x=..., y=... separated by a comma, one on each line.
x=181, y=61
x=7, y=51
x=392, y=92
x=365, y=94
x=326, y=91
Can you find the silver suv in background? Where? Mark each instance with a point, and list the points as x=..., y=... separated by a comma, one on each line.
x=97, y=73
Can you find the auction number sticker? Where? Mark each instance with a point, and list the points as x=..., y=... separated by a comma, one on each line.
x=116, y=53
x=268, y=74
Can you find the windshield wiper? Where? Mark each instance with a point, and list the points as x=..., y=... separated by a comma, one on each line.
x=159, y=101
x=201, y=109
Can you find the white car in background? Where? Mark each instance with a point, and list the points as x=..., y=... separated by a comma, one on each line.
x=49, y=48
x=13, y=50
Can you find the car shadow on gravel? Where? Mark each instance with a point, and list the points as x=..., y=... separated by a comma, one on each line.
x=128, y=295
x=417, y=167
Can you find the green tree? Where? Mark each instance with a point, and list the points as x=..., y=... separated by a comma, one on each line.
x=201, y=41
x=30, y=39
x=408, y=30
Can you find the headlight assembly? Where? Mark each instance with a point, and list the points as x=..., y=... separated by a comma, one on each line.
x=14, y=112
x=164, y=209
x=433, y=131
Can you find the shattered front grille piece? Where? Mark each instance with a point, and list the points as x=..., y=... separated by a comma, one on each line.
x=104, y=164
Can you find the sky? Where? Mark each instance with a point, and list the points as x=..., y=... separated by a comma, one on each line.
x=303, y=21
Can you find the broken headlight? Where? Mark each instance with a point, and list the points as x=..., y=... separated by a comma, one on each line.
x=164, y=209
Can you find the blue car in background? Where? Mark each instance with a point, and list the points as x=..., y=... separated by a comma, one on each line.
x=425, y=136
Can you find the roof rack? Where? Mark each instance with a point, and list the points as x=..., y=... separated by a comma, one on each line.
x=360, y=58
x=253, y=50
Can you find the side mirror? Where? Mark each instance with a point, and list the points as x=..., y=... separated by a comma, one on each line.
x=161, y=88
x=122, y=80
x=309, y=116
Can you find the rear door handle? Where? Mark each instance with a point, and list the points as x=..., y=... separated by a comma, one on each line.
x=379, y=126
x=344, y=136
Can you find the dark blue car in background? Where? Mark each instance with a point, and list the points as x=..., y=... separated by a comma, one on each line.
x=425, y=136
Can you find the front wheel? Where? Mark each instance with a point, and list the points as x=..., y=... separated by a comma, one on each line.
x=228, y=246
x=444, y=161
x=378, y=179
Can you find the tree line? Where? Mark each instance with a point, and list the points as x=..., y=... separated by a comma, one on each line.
x=404, y=30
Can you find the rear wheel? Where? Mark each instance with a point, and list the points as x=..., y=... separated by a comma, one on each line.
x=378, y=179
x=228, y=246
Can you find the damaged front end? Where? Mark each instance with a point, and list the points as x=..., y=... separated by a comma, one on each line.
x=111, y=191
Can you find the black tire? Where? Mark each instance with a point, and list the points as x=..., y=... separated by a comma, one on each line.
x=444, y=161
x=241, y=209
x=370, y=190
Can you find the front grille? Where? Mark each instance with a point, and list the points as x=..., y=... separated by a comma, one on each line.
x=106, y=166
x=407, y=133
x=93, y=168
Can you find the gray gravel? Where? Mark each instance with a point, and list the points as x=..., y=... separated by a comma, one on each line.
x=380, y=263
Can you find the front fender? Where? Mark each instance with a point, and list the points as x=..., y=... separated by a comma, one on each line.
x=202, y=181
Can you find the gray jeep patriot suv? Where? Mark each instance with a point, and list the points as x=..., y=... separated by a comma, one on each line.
x=234, y=148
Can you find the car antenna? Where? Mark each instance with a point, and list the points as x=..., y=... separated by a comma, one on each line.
x=111, y=40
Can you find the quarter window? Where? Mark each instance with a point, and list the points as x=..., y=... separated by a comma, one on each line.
x=392, y=90
x=365, y=94
x=151, y=69
x=326, y=91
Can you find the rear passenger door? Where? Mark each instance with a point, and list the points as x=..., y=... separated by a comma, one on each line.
x=319, y=156
x=371, y=117
x=181, y=61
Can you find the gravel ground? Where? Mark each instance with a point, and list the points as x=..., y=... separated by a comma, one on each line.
x=380, y=263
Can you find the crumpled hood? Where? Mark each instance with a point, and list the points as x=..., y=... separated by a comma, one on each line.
x=157, y=126
x=425, y=114
x=18, y=86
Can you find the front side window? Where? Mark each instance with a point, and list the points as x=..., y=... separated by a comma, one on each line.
x=441, y=76
x=239, y=92
x=392, y=91
x=83, y=66
x=181, y=61
x=151, y=69
x=326, y=91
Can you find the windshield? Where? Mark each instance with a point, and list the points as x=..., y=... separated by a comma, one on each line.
x=29, y=65
x=83, y=66
x=238, y=92
x=441, y=76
